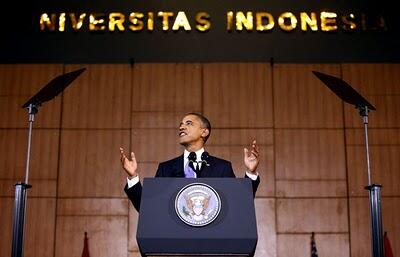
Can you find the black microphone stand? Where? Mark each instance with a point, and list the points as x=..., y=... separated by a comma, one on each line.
x=48, y=92
x=349, y=95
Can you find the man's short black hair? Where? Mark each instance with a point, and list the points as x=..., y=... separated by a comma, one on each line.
x=205, y=123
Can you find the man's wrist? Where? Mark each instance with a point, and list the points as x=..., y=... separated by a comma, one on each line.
x=132, y=177
x=252, y=175
x=132, y=181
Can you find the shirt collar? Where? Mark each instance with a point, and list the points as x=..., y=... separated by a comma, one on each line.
x=198, y=154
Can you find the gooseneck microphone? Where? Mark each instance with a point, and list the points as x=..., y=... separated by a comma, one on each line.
x=204, y=158
x=192, y=157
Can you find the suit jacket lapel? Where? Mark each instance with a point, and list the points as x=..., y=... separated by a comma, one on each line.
x=178, y=167
x=207, y=170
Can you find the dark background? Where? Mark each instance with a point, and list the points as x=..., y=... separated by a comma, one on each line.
x=23, y=42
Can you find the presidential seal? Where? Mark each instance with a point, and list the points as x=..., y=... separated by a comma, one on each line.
x=197, y=204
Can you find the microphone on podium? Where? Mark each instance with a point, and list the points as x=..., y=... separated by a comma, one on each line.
x=204, y=158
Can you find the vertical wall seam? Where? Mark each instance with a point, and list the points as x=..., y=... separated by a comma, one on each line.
x=346, y=164
x=274, y=153
x=58, y=165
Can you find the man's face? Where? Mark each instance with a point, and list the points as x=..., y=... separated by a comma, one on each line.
x=191, y=131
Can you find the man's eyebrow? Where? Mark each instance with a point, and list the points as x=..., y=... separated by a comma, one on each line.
x=186, y=122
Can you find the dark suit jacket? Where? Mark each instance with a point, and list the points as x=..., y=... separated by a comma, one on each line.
x=174, y=168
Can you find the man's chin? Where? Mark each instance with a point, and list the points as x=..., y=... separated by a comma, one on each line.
x=183, y=143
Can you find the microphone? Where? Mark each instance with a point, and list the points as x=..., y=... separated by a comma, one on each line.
x=204, y=158
x=192, y=157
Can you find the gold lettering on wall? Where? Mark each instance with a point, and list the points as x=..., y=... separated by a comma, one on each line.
x=150, y=21
x=116, y=19
x=135, y=18
x=308, y=21
x=287, y=21
x=238, y=20
x=48, y=22
x=242, y=20
x=348, y=22
x=181, y=21
x=229, y=20
x=61, y=22
x=328, y=21
x=165, y=19
x=77, y=24
x=96, y=22
x=203, y=21
x=264, y=16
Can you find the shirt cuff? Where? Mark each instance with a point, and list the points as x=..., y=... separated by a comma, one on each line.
x=133, y=181
x=252, y=176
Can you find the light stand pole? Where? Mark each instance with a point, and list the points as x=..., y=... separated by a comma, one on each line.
x=48, y=92
x=349, y=95
x=374, y=196
x=21, y=194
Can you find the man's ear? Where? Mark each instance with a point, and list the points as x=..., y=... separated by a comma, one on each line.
x=205, y=133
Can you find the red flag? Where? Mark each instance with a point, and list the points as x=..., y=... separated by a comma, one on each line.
x=388, y=247
x=85, y=252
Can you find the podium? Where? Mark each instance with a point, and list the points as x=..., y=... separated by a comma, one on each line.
x=162, y=232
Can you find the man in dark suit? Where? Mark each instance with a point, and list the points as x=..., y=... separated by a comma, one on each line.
x=194, y=130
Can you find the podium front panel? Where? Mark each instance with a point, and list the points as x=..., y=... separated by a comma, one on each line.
x=161, y=232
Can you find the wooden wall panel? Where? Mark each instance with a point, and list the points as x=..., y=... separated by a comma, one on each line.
x=301, y=100
x=155, y=145
x=385, y=166
x=147, y=169
x=229, y=143
x=378, y=83
x=157, y=120
x=238, y=95
x=44, y=154
x=360, y=225
x=360, y=228
x=104, y=219
x=99, y=98
x=167, y=87
x=229, y=137
x=6, y=219
x=373, y=78
x=18, y=83
x=390, y=215
x=107, y=235
x=40, y=223
x=310, y=154
x=266, y=228
x=40, y=188
x=133, y=222
x=39, y=228
x=375, y=137
x=90, y=163
x=328, y=245
x=265, y=168
x=286, y=108
x=92, y=207
x=386, y=115
x=307, y=215
x=304, y=188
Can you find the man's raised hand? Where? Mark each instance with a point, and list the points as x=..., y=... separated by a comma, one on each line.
x=130, y=166
x=251, y=157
